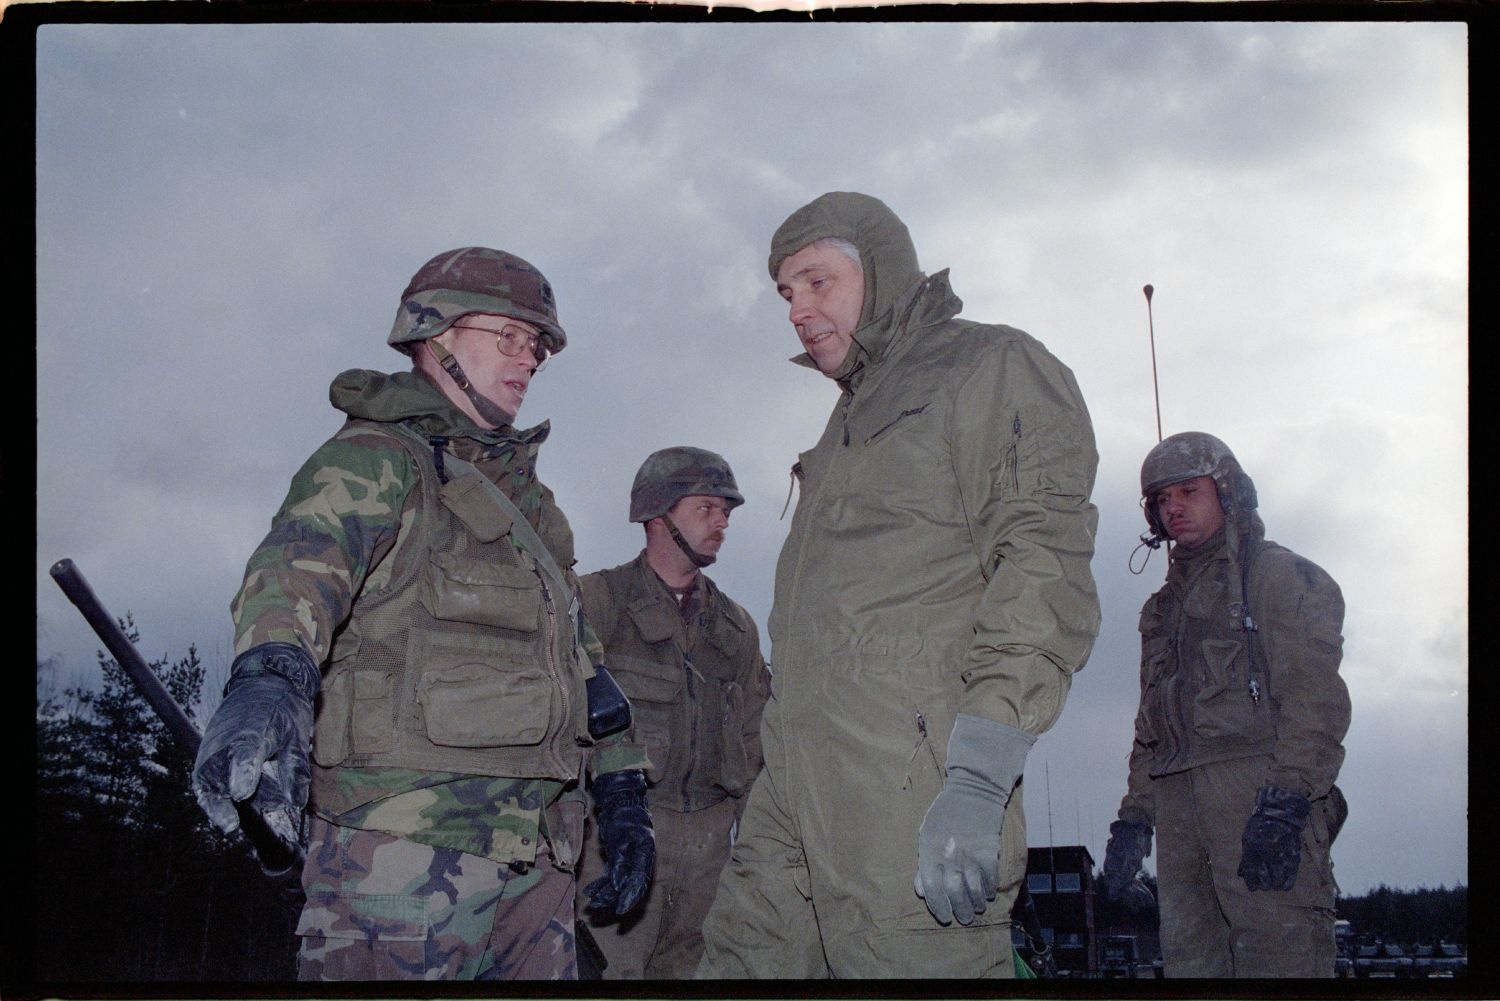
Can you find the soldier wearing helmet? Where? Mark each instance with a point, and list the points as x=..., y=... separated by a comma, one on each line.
x=1238, y=739
x=411, y=669
x=689, y=658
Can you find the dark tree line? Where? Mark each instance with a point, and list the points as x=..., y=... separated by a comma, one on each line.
x=1409, y=917
x=131, y=882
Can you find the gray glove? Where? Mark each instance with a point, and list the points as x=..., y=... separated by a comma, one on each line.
x=1129, y=844
x=958, y=846
x=1272, y=842
x=256, y=744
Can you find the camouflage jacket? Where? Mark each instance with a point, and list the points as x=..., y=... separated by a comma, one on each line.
x=351, y=531
x=696, y=681
x=1210, y=691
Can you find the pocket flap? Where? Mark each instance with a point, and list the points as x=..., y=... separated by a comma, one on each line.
x=470, y=498
x=383, y=917
x=467, y=702
x=646, y=680
x=484, y=592
x=656, y=620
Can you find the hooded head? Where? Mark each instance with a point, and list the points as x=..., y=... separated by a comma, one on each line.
x=885, y=249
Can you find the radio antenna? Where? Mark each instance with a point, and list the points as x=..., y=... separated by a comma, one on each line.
x=1150, y=540
x=1151, y=326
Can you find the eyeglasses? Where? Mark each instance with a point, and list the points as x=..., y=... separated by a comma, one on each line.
x=512, y=339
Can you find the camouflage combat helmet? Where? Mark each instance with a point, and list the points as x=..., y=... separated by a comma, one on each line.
x=671, y=474
x=1187, y=456
x=475, y=280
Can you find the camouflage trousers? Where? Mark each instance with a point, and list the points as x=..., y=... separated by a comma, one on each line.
x=663, y=938
x=380, y=907
x=1211, y=924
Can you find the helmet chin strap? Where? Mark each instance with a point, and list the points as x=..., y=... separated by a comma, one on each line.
x=489, y=411
x=698, y=559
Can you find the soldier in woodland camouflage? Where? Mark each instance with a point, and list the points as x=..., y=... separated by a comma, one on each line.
x=689, y=658
x=417, y=584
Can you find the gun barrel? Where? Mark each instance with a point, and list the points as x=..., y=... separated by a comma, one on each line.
x=275, y=855
x=126, y=655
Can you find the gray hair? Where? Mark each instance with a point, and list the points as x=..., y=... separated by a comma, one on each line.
x=844, y=247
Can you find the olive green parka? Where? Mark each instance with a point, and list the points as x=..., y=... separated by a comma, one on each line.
x=937, y=563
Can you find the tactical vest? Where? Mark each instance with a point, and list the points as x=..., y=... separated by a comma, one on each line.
x=461, y=660
x=1196, y=656
x=688, y=697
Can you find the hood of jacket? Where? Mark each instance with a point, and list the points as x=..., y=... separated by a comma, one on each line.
x=410, y=396
x=898, y=296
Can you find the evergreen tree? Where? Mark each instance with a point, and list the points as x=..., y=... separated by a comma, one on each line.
x=120, y=835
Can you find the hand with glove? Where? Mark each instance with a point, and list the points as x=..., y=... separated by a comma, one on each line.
x=256, y=744
x=627, y=839
x=958, y=845
x=1272, y=842
x=1129, y=844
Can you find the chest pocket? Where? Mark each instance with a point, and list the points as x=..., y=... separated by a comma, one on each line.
x=1156, y=649
x=655, y=691
x=482, y=592
x=892, y=424
x=487, y=587
x=727, y=638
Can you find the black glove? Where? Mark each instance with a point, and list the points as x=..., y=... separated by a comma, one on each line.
x=958, y=844
x=1272, y=841
x=1129, y=844
x=628, y=841
x=257, y=741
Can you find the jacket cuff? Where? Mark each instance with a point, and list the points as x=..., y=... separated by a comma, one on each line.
x=993, y=751
x=285, y=660
x=617, y=753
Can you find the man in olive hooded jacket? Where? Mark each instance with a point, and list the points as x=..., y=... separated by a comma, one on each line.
x=933, y=599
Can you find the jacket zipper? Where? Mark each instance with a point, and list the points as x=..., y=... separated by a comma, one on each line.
x=1015, y=440
x=552, y=646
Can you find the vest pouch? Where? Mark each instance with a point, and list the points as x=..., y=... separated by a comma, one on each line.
x=330, y=743
x=469, y=498
x=1223, y=706
x=483, y=698
x=563, y=827
x=483, y=593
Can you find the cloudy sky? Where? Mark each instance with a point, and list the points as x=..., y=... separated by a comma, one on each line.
x=226, y=216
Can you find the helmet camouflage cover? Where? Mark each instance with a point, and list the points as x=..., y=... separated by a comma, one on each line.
x=475, y=280
x=671, y=474
x=1191, y=454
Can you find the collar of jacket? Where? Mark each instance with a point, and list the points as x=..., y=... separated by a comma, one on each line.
x=1227, y=545
x=930, y=301
x=652, y=585
x=411, y=396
